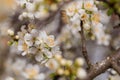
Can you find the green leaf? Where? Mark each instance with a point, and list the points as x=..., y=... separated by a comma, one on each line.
x=24, y=6
x=88, y=12
x=104, y=4
x=52, y=75
x=10, y=43
x=110, y=11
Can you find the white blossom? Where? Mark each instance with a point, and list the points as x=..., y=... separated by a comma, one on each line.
x=33, y=72
x=43, y=46
x=52, y=64
x=104, y=39
x=9, y=78
x=81, y=73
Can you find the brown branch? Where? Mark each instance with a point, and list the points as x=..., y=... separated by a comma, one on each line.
x=84, y=50
x=102, y=66
x=116, y=67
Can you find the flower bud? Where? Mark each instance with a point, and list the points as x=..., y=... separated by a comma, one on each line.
x=66, y=72
x=60, y=71
x=58, y=57
x=16, y=37
x=81, y=73
x=10, y=32
x=63, y=62
x=79, y=61
x=68, y=63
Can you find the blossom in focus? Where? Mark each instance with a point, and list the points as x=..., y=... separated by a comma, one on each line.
x=91, y=17
x=37, y=43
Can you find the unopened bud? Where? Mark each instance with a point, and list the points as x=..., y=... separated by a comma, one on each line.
x=60, y=71
x=79, y=61
x=58, y=57
x=16, y=37
x=66, y=72
x=68, y=62
x=10, y=32
x=63, y=62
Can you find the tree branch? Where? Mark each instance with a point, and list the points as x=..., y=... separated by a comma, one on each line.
x=102, y=66
x=84, y=50
x=116, y=67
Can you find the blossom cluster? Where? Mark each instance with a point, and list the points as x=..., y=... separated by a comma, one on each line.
x=37, y=8
x=68, y=68
x=87, y=12
x=37, y=43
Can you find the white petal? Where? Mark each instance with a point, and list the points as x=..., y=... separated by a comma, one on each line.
x=52, y=64
x=20, y=48
x=28, y=36
x=48, y=54
x=24, y=53
x=34, y=32
x=28, y=39
x=41, y=76
x=32, y=50
x=39, y=57
x=30, y=7
x=43, y=35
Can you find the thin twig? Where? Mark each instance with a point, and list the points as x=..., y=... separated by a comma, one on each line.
x=84, y=50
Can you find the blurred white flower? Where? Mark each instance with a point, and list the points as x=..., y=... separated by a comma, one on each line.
x=87, y=26
x=30, y=6
x=91, y=17
x=95, y=18
x=41, y=13
x=89, y=5
x=33, y=9
x=33, y=72
x=10, y=32
x=98, y=29
x=74, y=26
x=26, y=15
x=18, y=66
x=21, y=2
x=52, y=64
x=81, y=73
x=104, y=18
x=79, y=61
x=104, y=39
x=39, y=57
x=9, y=78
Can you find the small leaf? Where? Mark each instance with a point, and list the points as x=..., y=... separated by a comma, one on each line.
x=104, y=4
x=52, y=75
x=10, y=43
x=110, y=11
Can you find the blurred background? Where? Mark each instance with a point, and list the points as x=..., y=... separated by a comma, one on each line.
x=49, y=19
